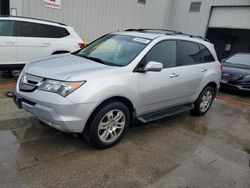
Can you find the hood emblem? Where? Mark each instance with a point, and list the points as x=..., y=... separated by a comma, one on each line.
x=226, y=74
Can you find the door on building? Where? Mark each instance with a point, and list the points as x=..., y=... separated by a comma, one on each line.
x=4, y=7
x=229, y=30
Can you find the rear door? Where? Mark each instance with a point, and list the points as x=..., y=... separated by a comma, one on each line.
x=33, y=40
x=7, y=43
x=191, y=70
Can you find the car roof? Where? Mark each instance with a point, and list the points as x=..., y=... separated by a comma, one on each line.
x=155, y=33
x=139, y=34
x=28, y=19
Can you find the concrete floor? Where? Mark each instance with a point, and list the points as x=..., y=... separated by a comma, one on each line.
x=181, y=151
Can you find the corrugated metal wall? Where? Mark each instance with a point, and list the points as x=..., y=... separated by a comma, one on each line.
x=93, y=18
x=196, y=22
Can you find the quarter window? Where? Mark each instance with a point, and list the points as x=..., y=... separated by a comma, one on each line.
x=189, y=53
x=6, y=28
x=163, y=52
x=206, y=56
x=27, y=29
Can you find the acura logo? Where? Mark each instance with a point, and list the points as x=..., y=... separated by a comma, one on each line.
x=226, y=74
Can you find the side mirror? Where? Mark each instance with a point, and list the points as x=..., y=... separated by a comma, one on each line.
x=153, y=66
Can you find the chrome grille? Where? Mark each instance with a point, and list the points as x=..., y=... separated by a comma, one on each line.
x=29, y=83
x=231, y=76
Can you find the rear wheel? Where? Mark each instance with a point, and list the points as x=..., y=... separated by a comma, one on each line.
x=204, y=101
x=108, y=125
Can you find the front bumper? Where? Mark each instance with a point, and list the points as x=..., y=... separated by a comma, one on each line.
x=235, y=86
x=55, y=110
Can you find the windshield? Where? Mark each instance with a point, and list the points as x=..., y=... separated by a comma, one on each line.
x=116, y=50
x=239, y=59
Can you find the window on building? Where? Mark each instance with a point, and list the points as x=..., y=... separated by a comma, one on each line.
x=190, y=53
x=163, y=52
x=28, y=29
x=142, y=2
x=4, y=7
x=195, y=7
x=206, y=55
x=6, y=28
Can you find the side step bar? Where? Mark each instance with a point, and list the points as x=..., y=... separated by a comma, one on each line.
x=164, y=113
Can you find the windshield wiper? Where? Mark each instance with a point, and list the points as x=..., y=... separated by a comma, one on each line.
x=93, y=59
x=98, y=60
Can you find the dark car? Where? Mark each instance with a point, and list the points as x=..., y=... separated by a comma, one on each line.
x=236, y=72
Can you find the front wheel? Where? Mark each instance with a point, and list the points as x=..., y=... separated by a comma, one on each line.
x=204, y=101
x=108, y=125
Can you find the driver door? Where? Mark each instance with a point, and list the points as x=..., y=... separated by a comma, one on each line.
x=158, y=90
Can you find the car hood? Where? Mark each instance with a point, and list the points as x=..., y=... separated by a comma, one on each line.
x=236, y=69
x=63, y=67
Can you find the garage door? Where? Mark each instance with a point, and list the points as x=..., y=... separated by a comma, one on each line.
x=230, y=17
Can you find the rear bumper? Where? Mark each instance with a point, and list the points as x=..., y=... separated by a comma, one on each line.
x=54, y=110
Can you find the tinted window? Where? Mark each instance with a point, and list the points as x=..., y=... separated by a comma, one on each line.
x=27, y=29
x=206, y=56
x=6, y=28
x=163, y=52
x=189, y=53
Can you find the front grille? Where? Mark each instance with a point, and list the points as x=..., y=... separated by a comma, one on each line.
x=231, y=76
x=29, y=83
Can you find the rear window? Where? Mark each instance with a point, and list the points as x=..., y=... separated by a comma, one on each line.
x=206, y=55
x=6, y=28
x=28, y=29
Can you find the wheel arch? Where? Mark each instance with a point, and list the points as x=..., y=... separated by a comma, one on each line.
x=213, y=85
x=121, y=99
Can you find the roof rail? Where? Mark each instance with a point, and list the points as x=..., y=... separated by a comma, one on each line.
x=169, y=32
x=162, y=30
x=33, y=19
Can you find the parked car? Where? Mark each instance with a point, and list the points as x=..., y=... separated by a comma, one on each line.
x=120, y=77
x=236, y=72
x=22, y=39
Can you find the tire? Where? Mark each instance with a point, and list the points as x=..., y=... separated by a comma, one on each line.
x=108, y=125
x=204, y=101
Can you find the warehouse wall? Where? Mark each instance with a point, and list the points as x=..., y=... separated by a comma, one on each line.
x=93, y=18
x=196, y=22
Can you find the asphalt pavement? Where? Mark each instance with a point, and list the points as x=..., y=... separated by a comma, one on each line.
x=180, y=151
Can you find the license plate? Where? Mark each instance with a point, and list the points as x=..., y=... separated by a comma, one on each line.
x=224, y=81
x=17, y=101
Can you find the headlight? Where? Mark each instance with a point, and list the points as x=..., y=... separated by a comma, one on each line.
x=60, y=87
x=246, y=78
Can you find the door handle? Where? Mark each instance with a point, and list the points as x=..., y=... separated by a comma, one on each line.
x=10, y=42
x=46, y=43
x=173, y=75
x=203, y=70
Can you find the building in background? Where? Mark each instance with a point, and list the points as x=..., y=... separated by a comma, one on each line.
x=225, y=22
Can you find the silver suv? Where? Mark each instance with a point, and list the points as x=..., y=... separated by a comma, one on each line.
x=139, y=74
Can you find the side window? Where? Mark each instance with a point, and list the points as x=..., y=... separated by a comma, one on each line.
x=24, y=29
x=27, y=29
x=57, y=32
x=189, y=53
x=206, y=55
x=164, y=52
x=6, y=28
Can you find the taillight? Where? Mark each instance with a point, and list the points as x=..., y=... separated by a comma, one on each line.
x=81, y=45
x=221, y=65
